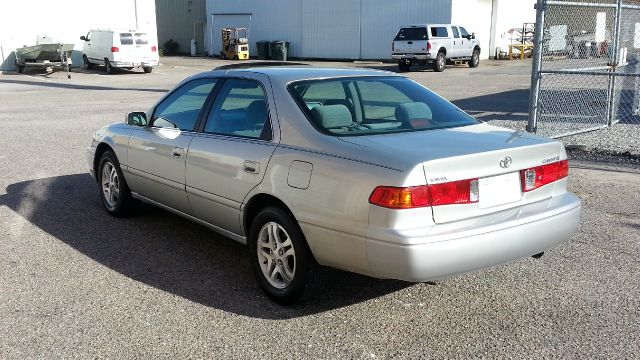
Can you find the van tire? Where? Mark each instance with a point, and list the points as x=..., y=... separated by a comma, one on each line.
x=147, y=69
x=440, y=62
x=86, y=64
x=110, y=69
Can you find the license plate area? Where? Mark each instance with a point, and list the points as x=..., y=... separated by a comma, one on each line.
x=499, y=190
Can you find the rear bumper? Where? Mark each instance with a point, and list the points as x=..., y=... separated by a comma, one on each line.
x=128, y=64
x=521, y=233
x=426, y=56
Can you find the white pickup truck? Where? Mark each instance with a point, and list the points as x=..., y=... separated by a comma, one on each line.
x=436, y=44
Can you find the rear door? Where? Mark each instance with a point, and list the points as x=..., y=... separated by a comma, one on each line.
x=411, y=40
x=126, y=48
x=142, y=51
x=230, y=155
x=457, y=42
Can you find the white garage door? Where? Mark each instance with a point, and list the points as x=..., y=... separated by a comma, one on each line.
x=220, y=21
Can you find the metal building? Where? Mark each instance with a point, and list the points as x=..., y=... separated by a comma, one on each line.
x=182, y=21
x=22, y=22
x=357, y=29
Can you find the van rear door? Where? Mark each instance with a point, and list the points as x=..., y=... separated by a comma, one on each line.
x=411, y=40
x=126, y=49
x=142, y=47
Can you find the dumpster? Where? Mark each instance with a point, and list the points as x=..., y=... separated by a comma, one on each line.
x=263, y=50
x=280, y=50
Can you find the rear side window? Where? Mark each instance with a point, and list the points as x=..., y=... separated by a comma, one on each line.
x=439, y=31
x=456, y=34
x=411, y=33
x=141, y=38
x=126, y=39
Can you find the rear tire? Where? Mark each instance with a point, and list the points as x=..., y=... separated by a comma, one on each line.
x=114, y=191
x=404, y=66
x=20, y=68
x=147, y=69
x=281, y=261
x=107, y=65
x=440, y=62
x=475, y=59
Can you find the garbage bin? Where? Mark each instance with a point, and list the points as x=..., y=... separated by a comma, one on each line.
x=263, y=50
x=280, y=50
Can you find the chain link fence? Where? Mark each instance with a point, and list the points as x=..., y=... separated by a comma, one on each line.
x=586, y=68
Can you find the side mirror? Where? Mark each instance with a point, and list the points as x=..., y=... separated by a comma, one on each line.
x=84, y=38
x=136, y=118
x=473, y=35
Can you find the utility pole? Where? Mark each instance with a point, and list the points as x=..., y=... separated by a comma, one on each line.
x=135, y=10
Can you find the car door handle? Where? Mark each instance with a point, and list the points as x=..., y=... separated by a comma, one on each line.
x=252, y=167
x=177, y=152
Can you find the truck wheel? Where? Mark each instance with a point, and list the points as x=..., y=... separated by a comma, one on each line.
x=147, y=69
x=440, y=62
x=87, y=64
x=110, y=69
x=475, y=59
x=20, y=68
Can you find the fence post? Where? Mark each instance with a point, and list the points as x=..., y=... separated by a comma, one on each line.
x=541, y=7
x=613, y=66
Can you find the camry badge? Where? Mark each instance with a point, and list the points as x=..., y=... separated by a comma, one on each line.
x=505, y=162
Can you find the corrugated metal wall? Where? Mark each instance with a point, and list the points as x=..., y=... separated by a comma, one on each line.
x=347, y=29
x=176, y=20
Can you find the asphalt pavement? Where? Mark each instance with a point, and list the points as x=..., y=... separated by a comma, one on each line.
x=78, y=283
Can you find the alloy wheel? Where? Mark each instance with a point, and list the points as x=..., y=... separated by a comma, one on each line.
x=276, y=255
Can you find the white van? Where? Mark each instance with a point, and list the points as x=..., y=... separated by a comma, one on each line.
x=119, y=49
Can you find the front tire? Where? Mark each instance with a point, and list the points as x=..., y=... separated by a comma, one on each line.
x=475, y=59
x=87, y=64
x=114, y=191
x=281, y=261
x=440, y=62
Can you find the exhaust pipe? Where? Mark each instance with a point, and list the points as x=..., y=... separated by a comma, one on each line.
x=538, y=255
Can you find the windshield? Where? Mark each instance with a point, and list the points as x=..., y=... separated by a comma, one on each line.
x=374, y=105
x=412, y=33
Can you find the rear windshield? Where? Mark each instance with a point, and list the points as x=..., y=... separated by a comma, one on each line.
x=141, y=38
x=374, y=105
x=411, y=33
x=126, y=39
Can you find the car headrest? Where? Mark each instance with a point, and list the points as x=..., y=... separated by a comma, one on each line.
x=257, y=112
x=332, y=116
x=413, y=111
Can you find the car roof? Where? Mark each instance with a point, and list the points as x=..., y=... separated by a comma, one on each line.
x=286, y=74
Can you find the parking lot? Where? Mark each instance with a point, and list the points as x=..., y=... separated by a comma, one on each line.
x=76, y=282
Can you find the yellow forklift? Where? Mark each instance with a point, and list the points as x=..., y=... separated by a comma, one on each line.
x=235, y=44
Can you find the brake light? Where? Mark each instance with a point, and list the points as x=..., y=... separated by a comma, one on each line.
x=456, y=192
x=539, y=176
x=428, y=46
x=114, y=49
x=154, y=49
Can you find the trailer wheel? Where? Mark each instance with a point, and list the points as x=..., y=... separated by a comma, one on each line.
x=20, y=68
x=110, y=69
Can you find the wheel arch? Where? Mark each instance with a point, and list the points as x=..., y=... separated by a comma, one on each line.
x=260, y=201
x=101, y=149
x=443, y=50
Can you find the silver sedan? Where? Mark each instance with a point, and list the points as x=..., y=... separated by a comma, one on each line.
x=361, y=170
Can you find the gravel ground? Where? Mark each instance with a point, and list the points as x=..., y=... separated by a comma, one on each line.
x=75, y=282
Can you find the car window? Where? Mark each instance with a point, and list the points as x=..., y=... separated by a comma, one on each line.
x=126, y=39
x=322, y=93
x=180, y=110
x=463, y=31
x=240, y=109
x=141, y=38
x=411, y=33
x=456, y=34
x=390, y=104
x=439, y=31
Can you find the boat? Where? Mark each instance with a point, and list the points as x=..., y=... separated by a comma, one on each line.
x=45, y=54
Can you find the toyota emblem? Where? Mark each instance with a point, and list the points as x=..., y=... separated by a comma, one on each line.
x=505, y=162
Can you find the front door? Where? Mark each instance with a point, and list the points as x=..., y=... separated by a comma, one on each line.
x=157, y=153
x=230, y=156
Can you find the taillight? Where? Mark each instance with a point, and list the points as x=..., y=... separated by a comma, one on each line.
x=114, y=49
x=154, y=49
x=456, y=192
x=536, y=177
x=428, y=46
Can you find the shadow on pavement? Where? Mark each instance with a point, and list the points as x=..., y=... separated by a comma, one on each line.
x=167, y=252
x=506, y=105
x=75, y=86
